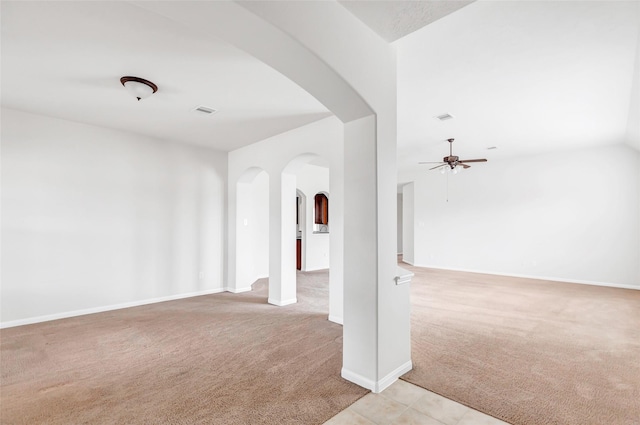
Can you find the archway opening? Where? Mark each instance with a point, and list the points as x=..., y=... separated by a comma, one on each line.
x=310, y=176
x=301, y=222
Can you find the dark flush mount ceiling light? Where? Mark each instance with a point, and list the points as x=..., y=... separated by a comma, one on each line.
x=139, y=87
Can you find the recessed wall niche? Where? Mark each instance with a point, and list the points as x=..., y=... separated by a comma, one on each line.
x=321, y=213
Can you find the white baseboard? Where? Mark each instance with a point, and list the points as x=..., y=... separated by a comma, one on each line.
x=238, y=290
x=555, y=279
x=392, y=377
x=283, y=302
x=317, y=269
x=67, y=314
x=335, y=319
x=381, y=384
x=358, y=379
x=410, y=263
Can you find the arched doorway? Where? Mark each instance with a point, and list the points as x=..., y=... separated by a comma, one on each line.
x=297, y=224
x=294, y=39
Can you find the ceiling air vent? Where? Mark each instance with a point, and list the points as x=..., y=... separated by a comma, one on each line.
x=205, y=110
x=445, y=117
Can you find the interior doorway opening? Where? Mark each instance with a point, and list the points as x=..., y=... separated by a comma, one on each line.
x=311, y=177
x=301, y=204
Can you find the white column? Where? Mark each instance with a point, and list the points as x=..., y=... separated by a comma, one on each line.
x=230, y=270
x=243, y=258
x=377, y=347
x=282, y=239
x=360, y=351
x=336, y=242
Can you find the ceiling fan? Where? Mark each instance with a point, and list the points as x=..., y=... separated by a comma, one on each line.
x=452, y=161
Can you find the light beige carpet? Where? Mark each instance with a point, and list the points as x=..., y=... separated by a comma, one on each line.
x=529, y=352
x=217, y=359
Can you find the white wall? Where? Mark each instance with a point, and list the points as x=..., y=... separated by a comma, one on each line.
x=94, y=218
x=260, y=213
x=312, y=179
x=568, y=216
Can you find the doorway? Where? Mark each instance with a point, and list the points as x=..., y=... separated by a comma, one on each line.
x=300, y=225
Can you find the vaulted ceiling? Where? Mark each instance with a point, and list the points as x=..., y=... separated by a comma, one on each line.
x=524, y=77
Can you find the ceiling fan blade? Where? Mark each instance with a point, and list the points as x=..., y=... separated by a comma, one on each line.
x=437, y=162
x=473, y=160
x=438, y=166
x=465, y=166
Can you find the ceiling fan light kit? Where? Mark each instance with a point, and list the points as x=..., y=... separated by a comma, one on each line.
x=454, y=170
x=139, y=87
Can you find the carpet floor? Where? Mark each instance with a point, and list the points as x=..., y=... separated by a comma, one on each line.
x=529, y=352
x=526, y=351
x=215, y=359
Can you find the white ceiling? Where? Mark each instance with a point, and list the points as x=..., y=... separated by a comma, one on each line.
x=527, y=77
x=65, y=60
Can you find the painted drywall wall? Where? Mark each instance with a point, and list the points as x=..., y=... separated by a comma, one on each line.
x=93, y=218
x=312, y=179
x=570, y=216
x=260, y=213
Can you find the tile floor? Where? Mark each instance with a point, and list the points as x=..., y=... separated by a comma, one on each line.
x=407, y=404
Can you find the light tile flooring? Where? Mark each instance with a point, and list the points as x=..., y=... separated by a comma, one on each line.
x=407, y=404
